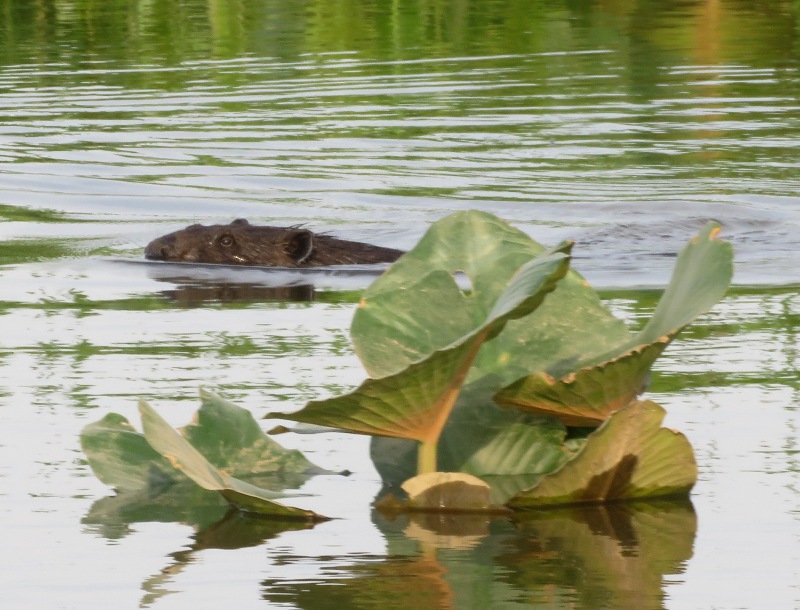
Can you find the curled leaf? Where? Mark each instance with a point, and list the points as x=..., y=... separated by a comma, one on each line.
x=185, y=458
x=415, y=402
x=584, y=393
x=629, y=456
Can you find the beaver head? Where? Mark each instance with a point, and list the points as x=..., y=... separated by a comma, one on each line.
x=238, y=243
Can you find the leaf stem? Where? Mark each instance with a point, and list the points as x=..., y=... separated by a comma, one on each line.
x=426, y=457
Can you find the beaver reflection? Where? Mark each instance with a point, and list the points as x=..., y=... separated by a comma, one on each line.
x=194, y=293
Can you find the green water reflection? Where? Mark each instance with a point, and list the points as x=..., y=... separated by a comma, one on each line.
x=168, y=32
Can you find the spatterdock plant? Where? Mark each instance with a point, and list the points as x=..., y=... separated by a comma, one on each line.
x=418, y=333
x=432, y=348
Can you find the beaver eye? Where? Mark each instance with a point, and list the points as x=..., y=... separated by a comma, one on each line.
x=226, y=240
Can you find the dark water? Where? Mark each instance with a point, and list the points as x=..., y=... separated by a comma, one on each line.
x=623, y=125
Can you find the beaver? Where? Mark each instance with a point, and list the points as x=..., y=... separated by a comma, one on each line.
x=241, y=243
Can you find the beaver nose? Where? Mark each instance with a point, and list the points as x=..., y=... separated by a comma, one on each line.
x=156, y=250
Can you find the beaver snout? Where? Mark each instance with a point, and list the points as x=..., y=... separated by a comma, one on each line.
x=157, y=250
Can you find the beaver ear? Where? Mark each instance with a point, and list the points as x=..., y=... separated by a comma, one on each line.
x=300, y=246
x=240, y=222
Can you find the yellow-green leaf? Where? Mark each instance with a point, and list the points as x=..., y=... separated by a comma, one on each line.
x=185, y=458
x=587, y=391
x=629, y=456
x=415, y=402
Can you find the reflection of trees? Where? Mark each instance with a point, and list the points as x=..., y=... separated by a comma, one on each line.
x=164, y=31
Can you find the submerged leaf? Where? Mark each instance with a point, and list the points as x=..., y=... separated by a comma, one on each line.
x=629, y=456
x=587, y=392
x=447, y=491
x=443, y=492
x=185, y=458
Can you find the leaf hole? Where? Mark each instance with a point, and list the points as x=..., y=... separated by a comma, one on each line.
x=464, y=282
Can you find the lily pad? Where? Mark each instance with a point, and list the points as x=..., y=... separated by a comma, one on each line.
x=585, y=393
x=185, y=458
x=629, y=456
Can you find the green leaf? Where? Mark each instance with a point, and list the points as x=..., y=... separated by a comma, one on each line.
x=519, y=446
x=586, y=392
x=416, y=307
x=585, y=397
x=415, y=402
x=480, y=439
x=700, y=279
x=229, y=437
x=121, y=457
x=571, y=325
x=629, y=456
x=484, y=440
x=508, y=450
x=185, y=458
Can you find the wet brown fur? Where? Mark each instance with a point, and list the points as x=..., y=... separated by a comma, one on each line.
x=241, y=243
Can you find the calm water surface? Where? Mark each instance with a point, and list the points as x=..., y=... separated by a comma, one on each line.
x=623, y=125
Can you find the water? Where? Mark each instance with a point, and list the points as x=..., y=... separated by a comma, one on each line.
x=624, y=126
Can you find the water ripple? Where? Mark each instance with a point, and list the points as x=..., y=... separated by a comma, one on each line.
x=411, y=140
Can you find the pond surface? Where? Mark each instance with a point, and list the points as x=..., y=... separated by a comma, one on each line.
x=622, y=125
